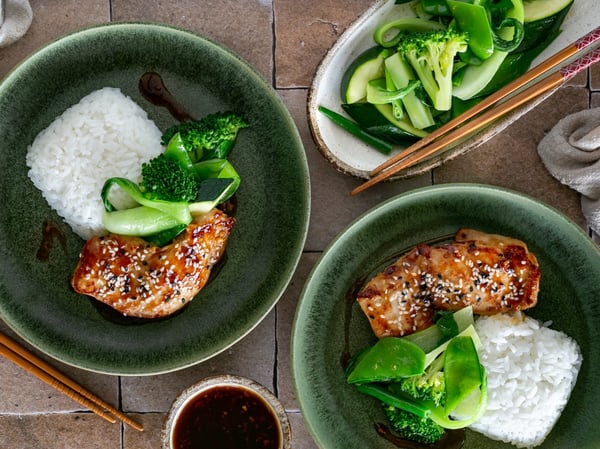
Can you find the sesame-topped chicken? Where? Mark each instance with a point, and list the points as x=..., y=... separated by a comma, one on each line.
x=143, y=280
x=491, y=273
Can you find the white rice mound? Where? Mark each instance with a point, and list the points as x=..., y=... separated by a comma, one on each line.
x=531, y=372
x=105, y=135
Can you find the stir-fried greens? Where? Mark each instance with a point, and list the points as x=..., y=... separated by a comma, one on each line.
x=425, y=70
x=428, y=381
x=189, y=178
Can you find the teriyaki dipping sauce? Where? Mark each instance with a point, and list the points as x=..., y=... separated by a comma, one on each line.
x=226, y=417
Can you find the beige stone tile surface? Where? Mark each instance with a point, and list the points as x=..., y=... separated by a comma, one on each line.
x=304, y=34
x=23, y=393
x=58, y=431
x=52, y=19
x=333, y=208
x=244, y=27
x=286, y=309
x=253, y=357
x=150, y=438
x=285, y=40
x=511, y=160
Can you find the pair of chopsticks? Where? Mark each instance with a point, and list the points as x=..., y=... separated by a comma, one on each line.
x=45, y=372
x=449, y=133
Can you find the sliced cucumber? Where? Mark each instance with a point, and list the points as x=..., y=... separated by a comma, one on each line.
x=540, y=9
x=366, y=67
x=401, y=74
x=405, y=125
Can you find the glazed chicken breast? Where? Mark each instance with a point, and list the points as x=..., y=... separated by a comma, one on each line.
x=491, y=273
x=142, y=280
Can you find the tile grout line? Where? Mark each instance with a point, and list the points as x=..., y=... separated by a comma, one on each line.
x=273, y=47
x=276, y=354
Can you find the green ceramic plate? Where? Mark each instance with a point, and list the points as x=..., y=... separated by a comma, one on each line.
x=329, y=324
x=272, y=202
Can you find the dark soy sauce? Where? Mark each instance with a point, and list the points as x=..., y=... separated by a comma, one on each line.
x=50, y=233
x=154, y=90
x=227, y=417
x=452, y=439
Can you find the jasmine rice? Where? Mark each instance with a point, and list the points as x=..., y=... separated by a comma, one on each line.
x=531, y=371
x=106, y=134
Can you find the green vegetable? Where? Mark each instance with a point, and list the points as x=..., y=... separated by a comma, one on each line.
x=413, y=427
x=542, y=9
x=476, y=77
x=450, y=391
x=212, y=137
x=404, y=125
x=356, y=130
x=377, y=93
x=366, y=67
x=538, y=35
x=178, y=210
x=429, y=386
x=462, y=371
x=473, y=19
x=402, y=26
x=139, y=221
x=164, y=178
x=460, y=51
x=400, y=74
x=431, y=56
x=368, y=117
x=396, y=400
x=501, y=44
x=436, y=7
x=432, y=337
x=390, y=358
x=189, y=178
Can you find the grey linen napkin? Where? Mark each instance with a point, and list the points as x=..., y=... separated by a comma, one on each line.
x=17, y=19
x=571, y=153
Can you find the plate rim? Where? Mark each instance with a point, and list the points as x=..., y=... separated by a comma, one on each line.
x=304, y=303
x=303, y=189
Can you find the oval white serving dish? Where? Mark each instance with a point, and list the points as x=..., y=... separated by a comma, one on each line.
x=351, y=156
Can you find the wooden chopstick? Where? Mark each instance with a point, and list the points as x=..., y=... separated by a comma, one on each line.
x=531, y=75
x=47, y=373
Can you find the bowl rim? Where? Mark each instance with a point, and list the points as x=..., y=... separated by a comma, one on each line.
x=228, y=380
x=108, y=365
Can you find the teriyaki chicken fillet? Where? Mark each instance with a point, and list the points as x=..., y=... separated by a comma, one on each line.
x=142, y=280
x=489, y=272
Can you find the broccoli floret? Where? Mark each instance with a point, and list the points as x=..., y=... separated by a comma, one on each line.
x=431, y=54
x=165, y=179
x=427, y=387
x=412, y=427
x=209, y=138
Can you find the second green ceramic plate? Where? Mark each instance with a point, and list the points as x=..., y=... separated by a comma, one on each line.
x=273, y=201
x=329, y=325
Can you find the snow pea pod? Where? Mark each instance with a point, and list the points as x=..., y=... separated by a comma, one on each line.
x=390, y=358
x=176, y=151
x=474, y=19
x=462, y=371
